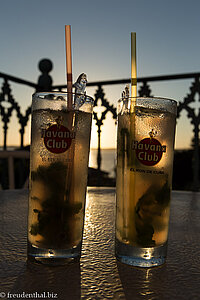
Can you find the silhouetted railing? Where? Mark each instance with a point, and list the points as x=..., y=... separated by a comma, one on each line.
x=45, y=83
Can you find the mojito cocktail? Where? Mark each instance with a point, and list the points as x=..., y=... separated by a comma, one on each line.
x=145, y=146
x=60, y=139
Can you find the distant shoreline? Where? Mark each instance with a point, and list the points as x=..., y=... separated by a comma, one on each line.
x=103, y=148
x=16, y=147
x=13, y=147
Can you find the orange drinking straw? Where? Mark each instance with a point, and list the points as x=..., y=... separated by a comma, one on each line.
x=70, y=170
x=68, y=63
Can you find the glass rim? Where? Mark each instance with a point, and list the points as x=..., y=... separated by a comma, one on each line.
x=149, y=98
x=39, y=94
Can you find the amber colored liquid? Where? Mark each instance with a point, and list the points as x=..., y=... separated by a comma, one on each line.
x=143, y=192
x=58, y=181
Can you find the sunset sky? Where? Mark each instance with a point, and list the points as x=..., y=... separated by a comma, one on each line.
x=167, y=43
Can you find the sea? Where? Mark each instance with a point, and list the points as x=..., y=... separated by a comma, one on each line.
x=108, y=160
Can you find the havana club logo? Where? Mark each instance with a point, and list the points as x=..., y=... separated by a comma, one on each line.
x=57, y=138
x=149, y=151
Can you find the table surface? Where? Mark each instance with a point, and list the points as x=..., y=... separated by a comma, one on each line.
x=99, y=275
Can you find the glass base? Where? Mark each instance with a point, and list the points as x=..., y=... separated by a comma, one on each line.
x=141, y=257
x=54, y=257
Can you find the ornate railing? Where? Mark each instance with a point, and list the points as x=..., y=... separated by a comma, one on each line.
x=45, y=83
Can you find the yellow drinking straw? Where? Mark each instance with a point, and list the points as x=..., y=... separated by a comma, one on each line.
x=131, y=190
x=133, y=71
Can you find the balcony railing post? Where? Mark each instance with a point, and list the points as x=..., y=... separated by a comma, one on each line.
x=45, y=80
x=22, y=137
x=5, y=136
x=196, y=159
x=99, y=149
x=100, y=95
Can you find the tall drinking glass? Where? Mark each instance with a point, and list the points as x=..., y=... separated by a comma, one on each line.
x=145, y=145
x=60, y=140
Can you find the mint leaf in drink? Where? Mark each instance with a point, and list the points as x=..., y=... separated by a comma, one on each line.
x=145, y=233
x=54, y=175
x=34, y=229
x=55, y=219
x=163, y=195
x=150, y=205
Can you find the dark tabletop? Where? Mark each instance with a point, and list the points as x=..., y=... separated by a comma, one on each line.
x=99, y=275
